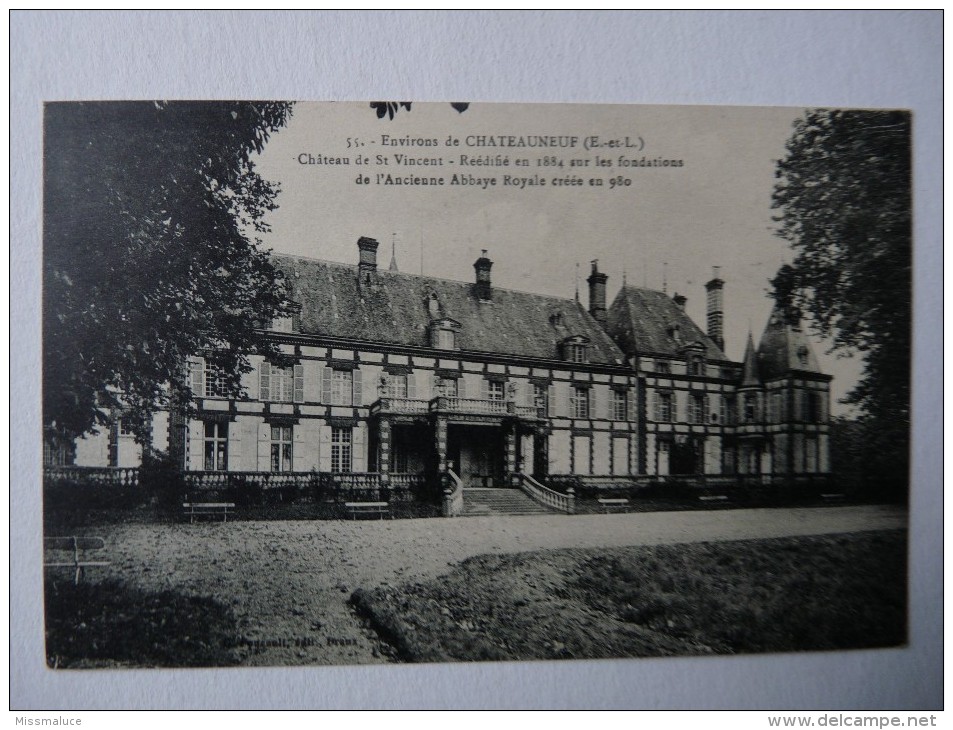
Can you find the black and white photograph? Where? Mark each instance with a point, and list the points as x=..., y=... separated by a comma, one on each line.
x=405, y=382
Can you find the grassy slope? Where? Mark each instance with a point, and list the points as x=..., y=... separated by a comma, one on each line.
x=790, y=594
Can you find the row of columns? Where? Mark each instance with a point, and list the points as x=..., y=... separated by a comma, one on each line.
x=385, y=432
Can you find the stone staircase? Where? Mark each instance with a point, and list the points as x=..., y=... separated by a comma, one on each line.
x=480, y=501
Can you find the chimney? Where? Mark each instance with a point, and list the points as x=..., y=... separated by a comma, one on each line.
x=716, y=308
x=680, y=300
x=597, y=293
x=482, y=267
x=367, y=262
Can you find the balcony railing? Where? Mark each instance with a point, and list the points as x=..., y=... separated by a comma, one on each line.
x=468, y=405
x=401, y=405
x=546, y=496
x=201, y=480
x=102, y=475
x=453, y=404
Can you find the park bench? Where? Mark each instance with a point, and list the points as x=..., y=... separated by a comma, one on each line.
x=367, y=508
x=614, y=502
x=212, y=509
x=77, y=549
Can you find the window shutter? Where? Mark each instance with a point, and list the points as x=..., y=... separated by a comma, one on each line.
x=656, y=406
x=358, y=451
x=299, y=383
x=551, y=400
x=461, y=388
x=630, y=403
x=324, y=447
x=411, y=386
x=326, y=385
x=197, y=376
x=234, y=446
x=485, y=389
x=196, y=436
x=358, y=396
x=265, y=381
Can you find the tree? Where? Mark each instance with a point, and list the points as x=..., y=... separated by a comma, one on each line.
x=151, y=214
x=844, y=192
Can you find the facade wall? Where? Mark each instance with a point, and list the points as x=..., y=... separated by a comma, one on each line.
x=317, y=393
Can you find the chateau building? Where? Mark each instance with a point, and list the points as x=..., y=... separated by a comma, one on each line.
x=407, y=377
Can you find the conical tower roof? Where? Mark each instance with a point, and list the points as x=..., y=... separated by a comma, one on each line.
x=784, y=346
x=750, y=377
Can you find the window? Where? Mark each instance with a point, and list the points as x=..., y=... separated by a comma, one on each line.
x=282, y=384
x=282, y=324
x=751, y=408
x=728, y=410
x=810, y=455
x=342, y=384
x=207, y=379
x=777, y=407
x=215, y=383
x=281, y=448
x=289, y=323
x=620, y=403
x=216, y=446
x=446, y=339
x=125, y=427
x=580, y=402
x=814, y=405
x=696, y=365
x=340, y=449
x=495, y=390
x=446, y=387
x=541, y=396
x=728, y=460
x=577, y=353
x=696, y=408
x=663, y=367
x=396, y=386
x=663, y=407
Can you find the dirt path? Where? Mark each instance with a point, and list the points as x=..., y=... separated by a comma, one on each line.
x=289, y=582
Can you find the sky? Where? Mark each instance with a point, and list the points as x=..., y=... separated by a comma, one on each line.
x=660, y=226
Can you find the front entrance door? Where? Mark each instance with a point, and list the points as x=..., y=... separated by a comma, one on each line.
x=477, y=453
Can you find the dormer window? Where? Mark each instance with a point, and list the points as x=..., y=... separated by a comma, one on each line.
x=443, y=333
x=576, y=349
x=290, y=322
x=446, y=340
x=696, y=365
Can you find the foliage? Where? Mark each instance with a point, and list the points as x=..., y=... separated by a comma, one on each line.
x=160, y=477
x=112, y=623
x=390, y=108
x=844, y=195
x=151, y=217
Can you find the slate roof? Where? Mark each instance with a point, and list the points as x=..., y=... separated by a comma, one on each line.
x=784, y=347
x=642, y=320
x=750, y=375
x=394, y=310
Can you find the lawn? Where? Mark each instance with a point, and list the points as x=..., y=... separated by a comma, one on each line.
x=110, y=623
x=772, y=595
